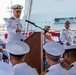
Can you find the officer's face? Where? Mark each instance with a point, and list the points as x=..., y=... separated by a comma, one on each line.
x=17, y=14
x=67, y=26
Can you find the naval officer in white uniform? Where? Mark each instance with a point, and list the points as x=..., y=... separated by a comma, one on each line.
x=13, y=24
x=18, y=51
x=70, y=59
x=54, y=51
x=66, y=35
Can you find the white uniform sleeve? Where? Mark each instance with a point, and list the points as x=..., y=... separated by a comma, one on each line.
x=35, y=72
x=10, y=27
x=62, y=37
x=74, y=39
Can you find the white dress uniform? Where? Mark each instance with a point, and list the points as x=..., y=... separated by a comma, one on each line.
x=12, y=25
x=6, y=69
x=66, y=36
x=54, y=38
x=45, y=40
x=72, y=71
x=55, y=49
x=57, y=70
x=24, y=69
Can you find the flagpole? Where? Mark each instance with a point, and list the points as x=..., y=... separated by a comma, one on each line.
x=28, y=15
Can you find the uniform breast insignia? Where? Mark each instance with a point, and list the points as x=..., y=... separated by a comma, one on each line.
x=12, y=18
x=44, y=72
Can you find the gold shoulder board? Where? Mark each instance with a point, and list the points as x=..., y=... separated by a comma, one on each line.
x=63, y=29
x=12, y=18
x=44, y=72
x=69, y=67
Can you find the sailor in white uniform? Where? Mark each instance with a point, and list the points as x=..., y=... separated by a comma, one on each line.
x=46, y=32
x=4, y=55
x=6, y=69
x=70, y=59
x=54, y=51
x=14, y=26
x=18, y=51
x=66, y=35
x=51, y=34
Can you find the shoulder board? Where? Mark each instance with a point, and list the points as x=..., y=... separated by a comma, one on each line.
x=12, y=18
x=44, y=72
x=63, y=29
x=69, y=67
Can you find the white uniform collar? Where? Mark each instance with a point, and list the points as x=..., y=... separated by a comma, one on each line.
x=53, y=66
x=67, y=29
x=20, y=65
x=16, y=18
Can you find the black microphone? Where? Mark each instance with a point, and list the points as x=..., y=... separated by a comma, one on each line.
x=30, y=22
x=35, y=25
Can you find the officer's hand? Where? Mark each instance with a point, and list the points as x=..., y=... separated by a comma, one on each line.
x=18, y=30
x=67, y=43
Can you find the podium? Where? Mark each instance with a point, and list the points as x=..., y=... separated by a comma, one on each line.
x=35, y=57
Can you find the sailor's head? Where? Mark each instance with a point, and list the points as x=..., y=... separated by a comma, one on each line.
x=70, y=53
x=47, y=28
x=54, y=48
x=67, y=24
x=17, y=9
x=16, y=47
x=17, y=50
x=53, y=51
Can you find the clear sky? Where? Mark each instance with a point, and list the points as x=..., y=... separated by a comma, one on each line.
x=67, y=7
x=49, y=6
x=4, y=12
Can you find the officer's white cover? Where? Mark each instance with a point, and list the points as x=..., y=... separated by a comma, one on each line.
x=17, y=47
x=54, y=48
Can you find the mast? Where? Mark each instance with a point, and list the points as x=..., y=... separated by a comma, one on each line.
x=28, y=14
x=10, y=8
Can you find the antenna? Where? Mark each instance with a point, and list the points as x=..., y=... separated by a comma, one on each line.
x=10, y=8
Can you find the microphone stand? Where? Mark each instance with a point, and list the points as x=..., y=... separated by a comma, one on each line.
x=36, y=25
